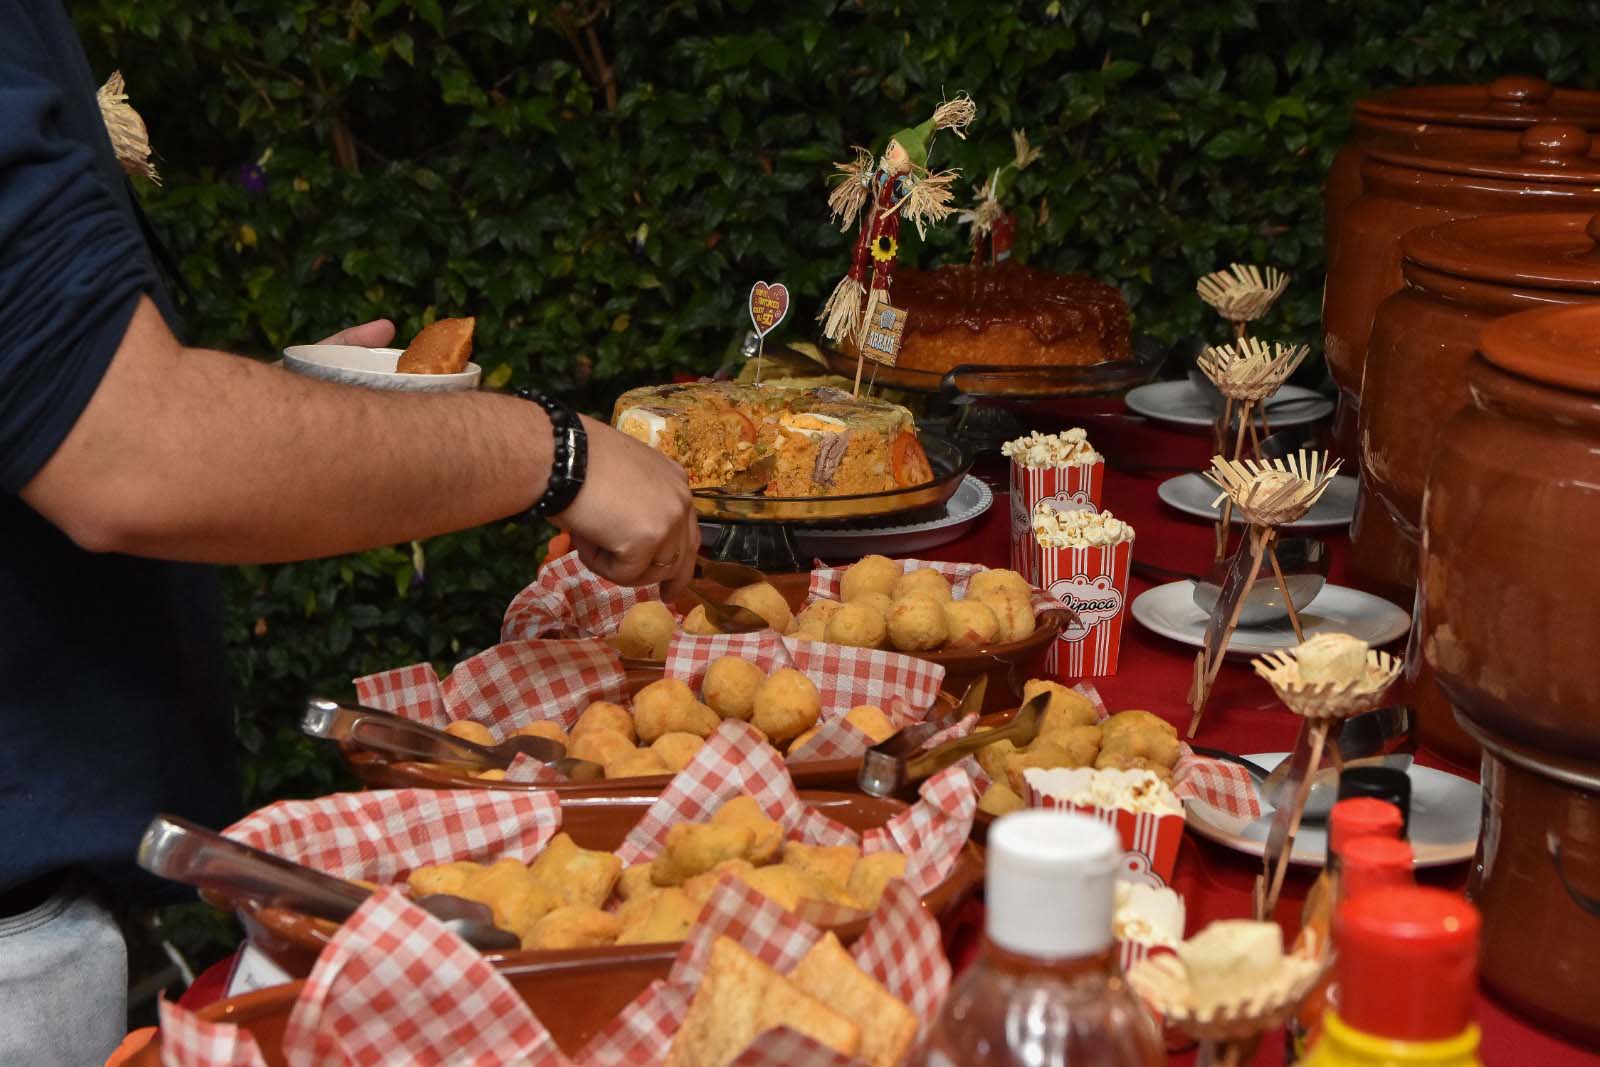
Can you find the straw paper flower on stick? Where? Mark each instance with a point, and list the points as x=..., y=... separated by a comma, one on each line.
x=129, y=137
x=1250, y=369
x=1273, y=492
x=1242, y=293
x=1231, y=1028
x=1361, y=692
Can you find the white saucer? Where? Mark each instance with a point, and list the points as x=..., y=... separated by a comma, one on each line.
x=1445, y=812
x=1193, y=493
x=966, y=505
x=373, y=368
x=1170, y=611
x=1181, y=403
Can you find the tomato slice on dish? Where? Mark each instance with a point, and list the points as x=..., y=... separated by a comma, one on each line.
x=910, y=461
x=739, y=423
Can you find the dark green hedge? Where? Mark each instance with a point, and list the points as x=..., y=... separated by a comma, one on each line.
x=600, y=183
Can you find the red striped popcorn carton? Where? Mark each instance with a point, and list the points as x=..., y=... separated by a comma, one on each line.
x=1144, y=811
x=1092, y=580
x=1061, y=469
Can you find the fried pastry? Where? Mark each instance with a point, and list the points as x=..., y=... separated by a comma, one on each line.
x=887, y=1026
x=694, y=848
x=576, y=875
x=443, y=347
x=573, y=926
x=871, y=873
x=744, y=811
x=830, y=865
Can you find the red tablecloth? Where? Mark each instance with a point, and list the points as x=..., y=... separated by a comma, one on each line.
x=1243, y=715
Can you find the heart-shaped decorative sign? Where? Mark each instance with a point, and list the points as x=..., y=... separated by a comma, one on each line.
x=768, y=305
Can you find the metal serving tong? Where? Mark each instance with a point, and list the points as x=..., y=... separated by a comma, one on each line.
x=884, y=772
x=180, y=850
x=728, y=575
x=728, y=618
x=383, y=732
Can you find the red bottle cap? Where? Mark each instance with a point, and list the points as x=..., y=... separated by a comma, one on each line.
x=1408, y=963
x=1361, y=817
x=1371, y=863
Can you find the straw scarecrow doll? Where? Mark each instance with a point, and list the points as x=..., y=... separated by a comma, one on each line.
x=898, y=186
x=991, y=224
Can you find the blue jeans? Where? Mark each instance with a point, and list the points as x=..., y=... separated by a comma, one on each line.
x=63, y=983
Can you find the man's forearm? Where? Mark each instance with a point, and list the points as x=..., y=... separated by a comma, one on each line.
x=197, y=455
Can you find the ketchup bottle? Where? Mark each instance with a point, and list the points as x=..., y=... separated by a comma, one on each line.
x=1045, y=990
x=1407, y=972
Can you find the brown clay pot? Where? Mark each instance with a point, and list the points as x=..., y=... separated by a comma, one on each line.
x=1440, y=120
x=1511, y=536
x=1537, y=880
x=1550, y=169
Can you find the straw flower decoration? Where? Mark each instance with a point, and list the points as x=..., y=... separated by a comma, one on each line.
x=129, y=137
x=1025, y=153
x=1242, y=293
x=1251, y=369
x=1328, y=700
x=1162, y=982
x=1273, y=492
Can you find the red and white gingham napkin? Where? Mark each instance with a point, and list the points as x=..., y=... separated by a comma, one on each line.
x=1223, y=785
x=826, y=581
x=901, y=948
x=904, y=687
x=737, y=761
x=383, y=835
x=570, y=600
x=504, y=687
x=394, y=986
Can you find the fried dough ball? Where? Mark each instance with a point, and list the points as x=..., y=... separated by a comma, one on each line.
x=730, y=685
x=637, y=763
x=882, y=603
x=812, y=622
x=468, y=730
x=871, y=874
x=828, y=865
x=1138, y=740
x=573, y=926
x=999, y=799
x=576, y=875
x=666, y=915
x=766, y=601
x=993, y=756
x=787, y=705
x=604, y=715
x=998, y=579
x=697, y=623
x=695, y=848
x=600, y=746
x=1067, y=706
x=971, y=624
x=870, y=721
x=858, y=626
x=744, y=811
x=924, y=581
x=869, y=574
x=646, y=631
x=1137, y=720
x=547, y=729
x=668, y=706
x=799, y=742
x=1013, y=613
x=677, y=750
x=917, y=624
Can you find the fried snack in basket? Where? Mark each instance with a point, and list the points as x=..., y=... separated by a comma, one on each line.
x=468, y=730
x=917, y=623
x=744, y=811
x=869, y=574
x=574, y=926
x=765, y=600
x=730, y=685
x=576, y=875
x=887, y=1026
x=646, y=630
x=443, y=347
x=739, y=998
x=695, y=848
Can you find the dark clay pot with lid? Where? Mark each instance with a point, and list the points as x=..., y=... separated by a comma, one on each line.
x=1550, y=169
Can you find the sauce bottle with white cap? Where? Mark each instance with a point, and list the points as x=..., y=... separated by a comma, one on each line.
x=1045, y=990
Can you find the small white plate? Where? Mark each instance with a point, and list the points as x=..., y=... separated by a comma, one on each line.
x=1170, y=611
x=1193, y=493
x=373, y=368
x=1181, y=403
x=966, y=505
x=1445, y=812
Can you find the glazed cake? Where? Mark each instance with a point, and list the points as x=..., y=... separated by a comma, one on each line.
x=1007, y=315
x=820, y=441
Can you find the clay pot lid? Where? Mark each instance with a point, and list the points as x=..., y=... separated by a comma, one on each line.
x=1548, y=153
x=1509, y=103
x=1549, y=250
x=1558, y=346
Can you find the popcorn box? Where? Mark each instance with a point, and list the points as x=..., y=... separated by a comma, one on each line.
x=1149, y=840
x=1093, y=582
x=1077, y=486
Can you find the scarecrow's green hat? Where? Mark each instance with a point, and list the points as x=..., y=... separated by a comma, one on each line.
x=914, y=139
x=950, y=115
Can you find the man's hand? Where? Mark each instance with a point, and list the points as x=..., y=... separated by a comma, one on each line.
x=634, y=520
x=375, y=334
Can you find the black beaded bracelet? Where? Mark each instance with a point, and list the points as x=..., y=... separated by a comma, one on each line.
x=570, y=461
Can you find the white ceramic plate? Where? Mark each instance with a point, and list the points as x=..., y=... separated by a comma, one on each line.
x=1181, y=403
x=1170, y=611
x=1193, y=493
x=966, y=505
x=1445, y=812
x=373, y=368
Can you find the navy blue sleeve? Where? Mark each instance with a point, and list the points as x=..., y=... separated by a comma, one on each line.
x=72, y=260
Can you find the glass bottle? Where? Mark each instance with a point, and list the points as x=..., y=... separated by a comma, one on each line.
x=1407, y=974
x=1045, y=990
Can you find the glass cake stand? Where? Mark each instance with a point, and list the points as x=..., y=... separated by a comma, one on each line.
x=758, y=531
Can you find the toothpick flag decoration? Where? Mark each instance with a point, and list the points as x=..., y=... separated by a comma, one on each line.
x=988, y=220
x=898, y=185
